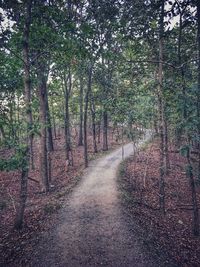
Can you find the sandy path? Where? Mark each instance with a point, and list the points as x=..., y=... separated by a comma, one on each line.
x=92, y=229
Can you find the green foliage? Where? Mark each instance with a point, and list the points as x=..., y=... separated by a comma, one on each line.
x=121, y=43
x=15, y=162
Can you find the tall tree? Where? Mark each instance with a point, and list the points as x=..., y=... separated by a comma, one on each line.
x=161, y=111
x=85, y=120
x=42, y=95
x=29, y=139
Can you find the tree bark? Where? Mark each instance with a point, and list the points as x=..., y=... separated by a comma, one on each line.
x=2, y=132
x=166, y=145
x=19, y=217
x=194, y=195
x=42, y=94
x=89, y=87
x=49, y=126
x=105, y=131
x=80, y=140
x=53, y=121
x=67, y=117
x=161, y=114
x=99, y=131
x=29, y=139
x=11, y=121
x=93, y=113
x=184, y=112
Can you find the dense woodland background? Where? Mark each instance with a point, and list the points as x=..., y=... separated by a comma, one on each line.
x=92, y=70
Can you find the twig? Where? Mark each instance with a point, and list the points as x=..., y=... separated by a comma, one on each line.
x=32, y=179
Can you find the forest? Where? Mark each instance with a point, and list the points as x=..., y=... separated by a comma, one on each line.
x=79, y=78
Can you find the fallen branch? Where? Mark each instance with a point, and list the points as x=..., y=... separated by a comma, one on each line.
x=32, y=179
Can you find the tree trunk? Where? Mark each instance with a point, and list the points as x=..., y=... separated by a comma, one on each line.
x=99, y=131
x=155, y=126
x=54, y=121
x=2, y=132
x=19, y=217
x=49, y=126
x=194, y=196
x=67, y=118
x=184, y=112
x=89, y=87
x=93, y=113
x=67, y=137
x=11, y=122
x=161, y=114
x=166, y=145
x=105, y=131
x=27, y=95
x=80, y=140
x=42, y=91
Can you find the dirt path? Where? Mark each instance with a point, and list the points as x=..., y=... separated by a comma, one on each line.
x=92, y=230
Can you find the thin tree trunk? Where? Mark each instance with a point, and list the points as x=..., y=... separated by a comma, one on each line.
x=2, y=132
x=49, y=167
x=105, y=131
x=27, y=95
x=18, y=114
x=184, y=112
x=105, y=115
x=12, y=132
x=53, y=121
x=99, y=131
x=42, y=91
x=166, y=146
x=67, y=138
x=155, y=125
x=194, y=196
x=93, y=113
x=89, y=87
x=49, y=126
x=161, y=114
x=67, y=118
x=80, y=140
x=19, y=217
x=122, y=142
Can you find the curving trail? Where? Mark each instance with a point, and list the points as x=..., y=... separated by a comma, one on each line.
x=92, y=229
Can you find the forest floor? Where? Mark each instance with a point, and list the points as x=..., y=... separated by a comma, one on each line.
x=92, y=229
x=41, y=209
x=139, y=185
x=92, y=218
